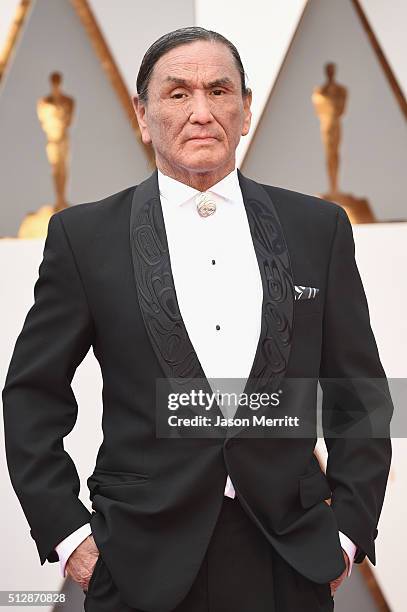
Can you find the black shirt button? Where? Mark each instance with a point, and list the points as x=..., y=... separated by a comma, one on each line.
x=218, y=327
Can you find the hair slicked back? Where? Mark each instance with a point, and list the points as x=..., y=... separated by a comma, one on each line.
x=174, y=39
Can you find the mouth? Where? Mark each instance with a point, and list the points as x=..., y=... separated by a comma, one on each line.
x=202, y=139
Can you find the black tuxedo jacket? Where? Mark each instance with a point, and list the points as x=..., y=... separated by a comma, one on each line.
x=105, y=281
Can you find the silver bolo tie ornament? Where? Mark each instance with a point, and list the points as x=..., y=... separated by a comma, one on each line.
x=205, y=205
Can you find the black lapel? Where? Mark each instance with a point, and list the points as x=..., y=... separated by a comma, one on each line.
x=273, y=349
x=155, y=284
x=157, y=296
x=158, y=302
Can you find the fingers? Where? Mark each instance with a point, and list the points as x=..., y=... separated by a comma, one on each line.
x=82, y=573
x=85, y=586
x=81, y=563
x=338, y=581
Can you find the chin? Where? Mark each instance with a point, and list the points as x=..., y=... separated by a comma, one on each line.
x=202, y=163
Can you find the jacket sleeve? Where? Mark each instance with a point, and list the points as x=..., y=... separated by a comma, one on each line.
x=39, y=406
x=357, y=405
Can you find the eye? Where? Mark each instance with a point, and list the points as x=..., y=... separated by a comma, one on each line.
x=218, y=91
x=178, y=96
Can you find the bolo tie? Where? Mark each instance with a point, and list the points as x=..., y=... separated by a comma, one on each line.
x=205, y=205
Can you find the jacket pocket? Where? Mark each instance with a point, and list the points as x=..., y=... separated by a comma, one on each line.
x=314, y=488
x=308, y=306
x=107, y=478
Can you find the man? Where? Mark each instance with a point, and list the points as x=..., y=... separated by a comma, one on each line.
x=164, y=285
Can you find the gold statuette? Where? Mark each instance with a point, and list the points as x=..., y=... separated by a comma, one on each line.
x=329, y=102
x=55, y=115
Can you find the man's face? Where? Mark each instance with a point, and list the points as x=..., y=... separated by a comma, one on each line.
x=195, y=114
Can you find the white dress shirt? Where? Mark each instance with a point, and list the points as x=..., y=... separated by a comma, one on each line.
x=219, y=293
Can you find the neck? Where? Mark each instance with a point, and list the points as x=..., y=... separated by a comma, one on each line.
x=202, y=181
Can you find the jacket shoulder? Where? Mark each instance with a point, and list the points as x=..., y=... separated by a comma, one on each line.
x=303, y=204
x=98, y=211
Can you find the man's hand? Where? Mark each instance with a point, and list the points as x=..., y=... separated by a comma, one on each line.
x=82, y=561
x=338, y=581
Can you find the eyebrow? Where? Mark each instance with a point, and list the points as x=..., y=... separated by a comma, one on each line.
x=222, y=82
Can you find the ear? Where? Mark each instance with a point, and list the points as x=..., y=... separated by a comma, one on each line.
x=141, y=110
x=247, y=100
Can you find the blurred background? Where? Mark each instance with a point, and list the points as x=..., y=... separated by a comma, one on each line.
x=68, y=135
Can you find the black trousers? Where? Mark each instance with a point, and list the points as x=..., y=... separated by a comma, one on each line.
x=240, y=572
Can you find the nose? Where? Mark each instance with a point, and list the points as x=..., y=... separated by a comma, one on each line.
x=199, y=109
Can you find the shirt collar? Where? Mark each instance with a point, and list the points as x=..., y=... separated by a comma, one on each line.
x=179, y=193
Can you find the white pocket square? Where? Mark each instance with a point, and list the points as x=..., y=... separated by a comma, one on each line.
x=301, y=292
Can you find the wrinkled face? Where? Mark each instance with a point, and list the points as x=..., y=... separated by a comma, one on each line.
x=195, y=114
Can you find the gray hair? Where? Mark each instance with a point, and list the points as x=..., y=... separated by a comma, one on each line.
x=174, y=39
